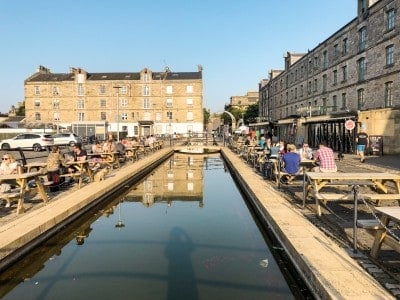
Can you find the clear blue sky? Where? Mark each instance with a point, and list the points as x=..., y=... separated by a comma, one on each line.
x=236, y=41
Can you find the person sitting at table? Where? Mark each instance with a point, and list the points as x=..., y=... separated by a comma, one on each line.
x=291, y=163
x=55, y=163
x=79, y=154
x=9, y=166
x=306, y=152
x=325, y=159
x=97, y=148
x=109, y=146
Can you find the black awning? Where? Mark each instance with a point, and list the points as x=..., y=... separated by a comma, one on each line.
x=146, y=122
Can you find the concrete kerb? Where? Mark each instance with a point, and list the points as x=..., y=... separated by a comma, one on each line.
x=327, y=268
x=22, y=234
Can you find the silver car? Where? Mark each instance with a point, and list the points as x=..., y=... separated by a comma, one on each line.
x=35, y=141
x=66, y=138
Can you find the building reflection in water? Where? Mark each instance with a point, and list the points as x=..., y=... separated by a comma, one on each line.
x=179, y=180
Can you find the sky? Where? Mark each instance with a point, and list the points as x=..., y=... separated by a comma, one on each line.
x=237, y=42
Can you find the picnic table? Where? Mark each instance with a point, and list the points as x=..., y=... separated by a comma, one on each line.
x=388, y=214
x=316, y=181
x=82, y=167
x=23, y=180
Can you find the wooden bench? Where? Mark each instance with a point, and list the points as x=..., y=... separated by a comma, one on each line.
x=9, y=196
x=76, y=175
x=378, y=198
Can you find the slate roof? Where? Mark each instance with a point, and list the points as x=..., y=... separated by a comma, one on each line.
x=54, y=77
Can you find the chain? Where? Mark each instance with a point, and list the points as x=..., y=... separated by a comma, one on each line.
x=388, y=230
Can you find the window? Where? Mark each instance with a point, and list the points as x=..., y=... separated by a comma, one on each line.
x=344, y=46
x=389, y=94
x=169, y=115
x=169, y=102
x=324, y=107
x=146, y=103
x=189, y=102
x=315, y=85
x=360, y=98
x=37, y=104
x=362, y=38
x=301, y=91
x=103, y=103
x=146, y=91
x=56, y=104
x=81, y=116
x=390, y=19
x=123, y=90
x=334, y=103
x=325, y=59
x=103, y=116
x=124, y=102
x=81, y=104
x=309, y=87
x=324, y=83
x=189, y=116
x=344, y=101
x=169, y=89
x=334, y=77
x=335, y=50
x=361, y=68
x=124, y=116
x=316, y=62
x=36, y=90
x=37, y=117
x=56, y=116
x=189, y=89
x=389, y=55
x=81, y=90
x=102, y=89
x=55, y=90
x=344, y=73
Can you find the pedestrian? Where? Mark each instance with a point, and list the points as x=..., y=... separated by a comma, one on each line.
x=362, y=143
x=325, y=159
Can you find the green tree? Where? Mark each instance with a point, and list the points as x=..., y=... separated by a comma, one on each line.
x=251, y=113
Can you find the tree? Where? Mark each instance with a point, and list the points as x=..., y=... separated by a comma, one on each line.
x=251, y=113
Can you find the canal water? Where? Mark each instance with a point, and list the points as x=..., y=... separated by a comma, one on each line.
x=184, y=232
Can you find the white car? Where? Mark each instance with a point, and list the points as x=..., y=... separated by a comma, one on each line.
x=66, y=138
x=30, y=140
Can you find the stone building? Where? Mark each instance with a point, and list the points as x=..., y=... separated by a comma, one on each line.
x=352, y=75
x=129, y=104
x=242, y=102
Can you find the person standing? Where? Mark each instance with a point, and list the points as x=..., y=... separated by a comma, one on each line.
x=325, y=158
x=362, y=143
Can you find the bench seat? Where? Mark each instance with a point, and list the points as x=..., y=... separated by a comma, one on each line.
x=378, y=198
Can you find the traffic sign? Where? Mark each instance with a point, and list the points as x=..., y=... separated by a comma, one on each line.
x=349, y=124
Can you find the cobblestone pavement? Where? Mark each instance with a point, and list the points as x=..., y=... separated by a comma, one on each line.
x=338, y=217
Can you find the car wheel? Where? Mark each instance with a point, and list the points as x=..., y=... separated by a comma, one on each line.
x=5, y=146
x=37, y=148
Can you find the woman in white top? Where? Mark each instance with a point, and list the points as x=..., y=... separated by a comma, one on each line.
x=8, y=165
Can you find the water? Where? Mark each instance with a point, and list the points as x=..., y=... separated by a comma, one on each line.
x=182, y=233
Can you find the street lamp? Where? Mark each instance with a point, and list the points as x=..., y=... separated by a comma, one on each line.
x=117, y=88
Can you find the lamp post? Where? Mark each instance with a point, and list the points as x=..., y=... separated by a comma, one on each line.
x=117, y=88
x=170, y=127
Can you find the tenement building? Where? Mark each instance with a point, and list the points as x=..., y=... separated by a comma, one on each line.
x=130, y=104
x=351, y=79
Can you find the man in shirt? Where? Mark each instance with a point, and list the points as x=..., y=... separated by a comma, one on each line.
x=362, y=143
x=325, y=159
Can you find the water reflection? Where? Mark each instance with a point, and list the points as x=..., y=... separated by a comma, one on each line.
x=181, y=277
x=181, y=179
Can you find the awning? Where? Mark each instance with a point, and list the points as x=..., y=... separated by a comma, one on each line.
x=327, y=118
x=146, y=122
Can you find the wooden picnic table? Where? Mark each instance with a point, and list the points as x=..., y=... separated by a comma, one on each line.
x=388, y=214
x=109, y=158
x=38, y=166
x=316, y=181
x=81, y=166
x=23, y=180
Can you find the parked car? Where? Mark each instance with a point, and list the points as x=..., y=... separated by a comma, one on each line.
x=66, y=138
x=35, y=141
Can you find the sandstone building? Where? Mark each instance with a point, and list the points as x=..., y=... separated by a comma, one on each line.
x=130, y=104
x=352, y=75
